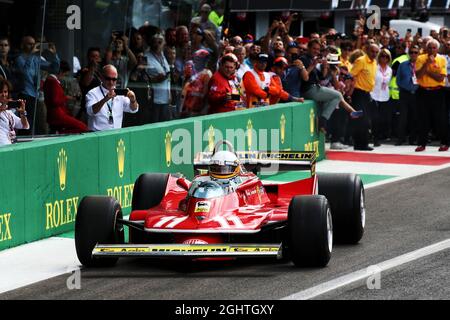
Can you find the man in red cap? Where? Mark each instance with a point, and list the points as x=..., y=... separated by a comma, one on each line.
x=225, y=92
x=280, y=64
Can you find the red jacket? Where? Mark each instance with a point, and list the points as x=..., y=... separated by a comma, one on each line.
x=219, y=87
x=58, y=115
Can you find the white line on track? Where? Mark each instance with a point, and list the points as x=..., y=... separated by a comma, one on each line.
x=365, y=273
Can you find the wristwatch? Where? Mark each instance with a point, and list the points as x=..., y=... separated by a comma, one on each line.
x=24, y=114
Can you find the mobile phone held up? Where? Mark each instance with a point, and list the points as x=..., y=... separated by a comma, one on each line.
x=121, y=92
x=13, y=104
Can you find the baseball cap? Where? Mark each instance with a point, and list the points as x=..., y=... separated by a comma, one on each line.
x=248, y=38
x=263, y=57
x=280, y=61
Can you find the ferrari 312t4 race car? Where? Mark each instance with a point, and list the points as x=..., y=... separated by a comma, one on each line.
x=227, y=212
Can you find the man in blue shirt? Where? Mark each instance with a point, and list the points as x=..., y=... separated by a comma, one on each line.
x=295, y=73
x=407, y=83
x=28, y=65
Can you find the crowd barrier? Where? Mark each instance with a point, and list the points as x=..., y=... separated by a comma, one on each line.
x=42, y=182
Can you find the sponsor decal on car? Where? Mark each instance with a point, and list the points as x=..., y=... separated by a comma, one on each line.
x=202, y=207
x=187, y=248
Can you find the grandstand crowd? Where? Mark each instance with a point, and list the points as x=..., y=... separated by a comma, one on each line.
x=371, y=86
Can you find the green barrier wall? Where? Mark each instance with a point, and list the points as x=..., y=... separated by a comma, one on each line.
x=42, y=182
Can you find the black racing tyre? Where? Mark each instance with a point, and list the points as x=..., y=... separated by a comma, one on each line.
x=309, y=231
x=96, y=223
x=345, y=193
x=149, y=190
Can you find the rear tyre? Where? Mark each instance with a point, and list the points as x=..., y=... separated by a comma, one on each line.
x=149, y=190
x=96, y=223
x=310, y=231
x=345, y=192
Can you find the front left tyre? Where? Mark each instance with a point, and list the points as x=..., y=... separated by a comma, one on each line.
x=309, y=231
x=96, y=223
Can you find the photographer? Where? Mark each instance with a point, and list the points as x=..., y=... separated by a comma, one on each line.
x=105, y=107
x=29, y=65
x=8, y=120
x=120, y=56
x=327, y=98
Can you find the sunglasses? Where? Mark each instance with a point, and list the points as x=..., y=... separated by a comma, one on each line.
x=414, y=52
x=110, y=79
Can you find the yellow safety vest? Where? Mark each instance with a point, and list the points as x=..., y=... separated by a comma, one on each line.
x=393, y=87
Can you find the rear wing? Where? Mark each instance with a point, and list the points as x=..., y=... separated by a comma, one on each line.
x=269, y=161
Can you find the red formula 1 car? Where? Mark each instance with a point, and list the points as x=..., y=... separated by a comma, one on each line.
x=227, y=212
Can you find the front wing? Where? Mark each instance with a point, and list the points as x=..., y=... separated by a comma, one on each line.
x=188, y=251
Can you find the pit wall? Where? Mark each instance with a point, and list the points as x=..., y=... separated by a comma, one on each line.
x=43, y=182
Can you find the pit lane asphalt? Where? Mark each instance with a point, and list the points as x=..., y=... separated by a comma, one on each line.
x=401, y=217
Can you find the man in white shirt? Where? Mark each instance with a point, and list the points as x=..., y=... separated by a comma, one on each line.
x=104, y=107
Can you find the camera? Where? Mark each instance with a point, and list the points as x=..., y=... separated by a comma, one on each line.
x=14, y=104
x=235, y=97
x=121, y=92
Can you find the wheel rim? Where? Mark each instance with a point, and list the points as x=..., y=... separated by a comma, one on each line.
x=329, y=230
x=362, y=209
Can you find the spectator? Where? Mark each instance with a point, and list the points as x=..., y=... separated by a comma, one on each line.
x=104, y=108
x=257, y=84
x=407, y=83
x=248, y=39
x=28, y=65
x=225, y=92
x=139, y=74
x=338, y=122
x=120, y=56
x=447, y=80
x=364, y=72
x=327, y=98
x=90, y=78
x=183, y=47
x=346, y=50
x=252, y=58
x=175, y=82
x=8, y=120
x=236, y=41
x=71, y=88
x=217, y=15
x=381, y=110
x=171, y=37
x=194, y=95
x=137, y=43
x=58, y=114
x=295, y=73
x=204, y=23
x=431, y=72
x=279, y=67
x=6, y=71
x=240, y=53
x=159, y=72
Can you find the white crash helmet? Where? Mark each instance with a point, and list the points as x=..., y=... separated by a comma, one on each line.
x=224, y=164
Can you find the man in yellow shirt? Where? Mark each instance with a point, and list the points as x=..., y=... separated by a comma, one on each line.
x=363, y=71
x=431, y=71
